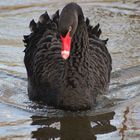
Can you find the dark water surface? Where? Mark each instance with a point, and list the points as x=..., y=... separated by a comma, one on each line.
x=116, y=117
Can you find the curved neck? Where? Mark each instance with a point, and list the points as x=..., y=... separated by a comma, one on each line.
x=70, y=16
x=80, y=40
x=79, y=12
x=73, y=8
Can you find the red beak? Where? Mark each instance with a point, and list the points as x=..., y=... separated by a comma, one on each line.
x=66, y=46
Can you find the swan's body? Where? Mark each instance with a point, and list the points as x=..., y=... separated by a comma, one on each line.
x=74, y=83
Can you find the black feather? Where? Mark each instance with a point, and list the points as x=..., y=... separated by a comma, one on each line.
x=32, y=26
x=44, y=18
x=55, y=17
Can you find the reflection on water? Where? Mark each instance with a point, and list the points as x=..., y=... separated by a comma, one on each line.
x=116, y=118
x=73, y=128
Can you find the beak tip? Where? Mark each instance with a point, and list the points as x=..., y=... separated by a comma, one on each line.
x=65, y=54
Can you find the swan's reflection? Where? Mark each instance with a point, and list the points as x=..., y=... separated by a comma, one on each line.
x=72, y=128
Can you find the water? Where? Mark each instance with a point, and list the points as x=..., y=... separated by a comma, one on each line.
x=116, y=116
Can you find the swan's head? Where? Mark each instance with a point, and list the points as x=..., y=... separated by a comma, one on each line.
x=68, y=23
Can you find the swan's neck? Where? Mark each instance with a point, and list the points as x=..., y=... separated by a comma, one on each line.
x=80, y=41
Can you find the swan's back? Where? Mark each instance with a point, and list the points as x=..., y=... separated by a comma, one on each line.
x=42, y=58
x=101, y=59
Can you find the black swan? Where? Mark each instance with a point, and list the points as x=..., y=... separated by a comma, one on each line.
x=67, y=64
